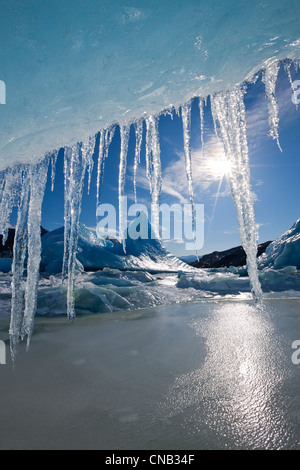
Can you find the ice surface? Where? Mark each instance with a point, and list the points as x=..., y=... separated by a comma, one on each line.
x=72, y=71
x=213, y=376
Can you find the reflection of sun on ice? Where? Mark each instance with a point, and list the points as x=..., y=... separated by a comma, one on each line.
x=219, y=166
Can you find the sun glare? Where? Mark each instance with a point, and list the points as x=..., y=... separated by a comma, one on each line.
x=219, y=166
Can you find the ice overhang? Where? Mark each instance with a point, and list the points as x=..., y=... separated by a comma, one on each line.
x=72, y=68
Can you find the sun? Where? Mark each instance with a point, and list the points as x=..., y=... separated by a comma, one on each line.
x=219, y=166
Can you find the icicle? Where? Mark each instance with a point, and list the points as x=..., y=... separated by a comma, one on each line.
x=75, y=165
x=106, y=137
x=87, y=154
x=124, y=131
x=53, y=168
x=287, y=68
x=269, y=78
x=137, y=154
x=10, y=197
x=228, y=110
x=153, y=168
x=100, y=162
x=19, y=252
x=148, y=152
x=2, y=183
x=38, y=178
x=109, y=134
x=186, y=122
x=201, y=110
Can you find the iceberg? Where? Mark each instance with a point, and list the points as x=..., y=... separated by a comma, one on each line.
x=95, y=254
x=283, y=252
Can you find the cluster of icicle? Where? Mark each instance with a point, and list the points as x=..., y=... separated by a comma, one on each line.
x=23, y=187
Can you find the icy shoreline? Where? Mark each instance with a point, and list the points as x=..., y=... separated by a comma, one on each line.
x=112, y=290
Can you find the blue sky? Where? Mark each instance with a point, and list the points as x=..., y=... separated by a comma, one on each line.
x=274, y=175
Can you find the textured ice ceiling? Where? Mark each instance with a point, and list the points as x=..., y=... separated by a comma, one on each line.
x=73, y=67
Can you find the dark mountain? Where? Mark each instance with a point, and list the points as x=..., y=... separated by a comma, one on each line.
x=224, y=259
x=6, y=251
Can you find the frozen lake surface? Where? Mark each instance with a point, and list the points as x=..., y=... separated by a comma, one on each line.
x=213, y=374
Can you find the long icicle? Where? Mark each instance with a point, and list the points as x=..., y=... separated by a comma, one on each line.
x=154, y=169
x=10, y=197
x=269, y=78
x=38, y=178
x=137, y=153
x=186, y=112
x=100, y=163
x=106, y=137
x=19, y=253
x=201, y=111
x=53, y=159
x=287, y=68
x=228, y=110
x=149, y=151
x=87, y=153
x=124, y=131
x=75, y=164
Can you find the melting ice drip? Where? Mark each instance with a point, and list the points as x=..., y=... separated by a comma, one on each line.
x=23, y=186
